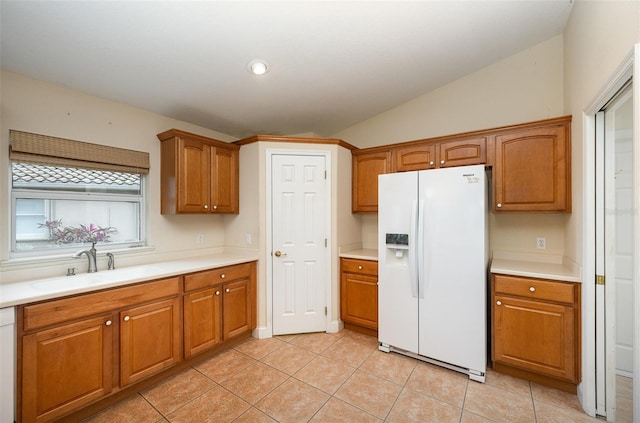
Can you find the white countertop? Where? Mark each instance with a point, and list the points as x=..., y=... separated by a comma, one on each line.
x=553, y=268
x=17, y=293
x=361, y=254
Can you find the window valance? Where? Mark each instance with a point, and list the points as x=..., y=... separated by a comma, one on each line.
x=52, y=151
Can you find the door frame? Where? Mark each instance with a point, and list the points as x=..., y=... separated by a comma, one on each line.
x=269, y=153
x=629, y=68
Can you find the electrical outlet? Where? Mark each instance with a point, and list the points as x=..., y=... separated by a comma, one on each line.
x=200, y=239
x=247, y=239
x=541, y=243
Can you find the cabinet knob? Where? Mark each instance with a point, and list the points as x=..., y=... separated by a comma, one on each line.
x=359, y=267
x=532, y=289
x=498, y=302
x=217, y=292
x=431, y=163
x=499, y=205
x=227, y=290
x=215, y=207
x=126, y=318
x=222, y=276
x=108, y=323
x=441, y=161
x=206, y=207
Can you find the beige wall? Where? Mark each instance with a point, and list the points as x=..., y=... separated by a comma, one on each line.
x=35, y=106
x=598, y=37
x=524, y=87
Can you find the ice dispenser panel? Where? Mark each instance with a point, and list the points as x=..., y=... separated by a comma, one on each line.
x=398, y=243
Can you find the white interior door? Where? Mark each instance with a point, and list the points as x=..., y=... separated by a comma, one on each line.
x=615, y=258
x=299, y=243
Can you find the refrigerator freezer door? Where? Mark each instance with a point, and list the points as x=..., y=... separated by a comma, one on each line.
x=397, y=292
x=452, y=304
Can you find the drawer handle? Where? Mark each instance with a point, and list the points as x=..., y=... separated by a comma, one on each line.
x=431, y=163
x=441, y=161
x=499, y=205
x=108, y=323
x=215, y=207
x=532, y=289
x=126, y=318
x=499, y=303
x=206, y=207
x=222, y=276
x=227, y=290
x=359, y=267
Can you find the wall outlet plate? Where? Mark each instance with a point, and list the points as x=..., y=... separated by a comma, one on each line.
x=541, y=243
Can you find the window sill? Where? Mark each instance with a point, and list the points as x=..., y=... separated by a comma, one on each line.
x=56, y=258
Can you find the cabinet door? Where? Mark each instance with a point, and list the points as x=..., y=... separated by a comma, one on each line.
x=414, y=157
x=202, y=320
x=462, y=152
x=66, y=367
x=236, y=308
x=150, y=339
x=535, y=336
x=224, y=181
x=532, y=170
x=359, y=300
x=366, y=168
x=193, y=176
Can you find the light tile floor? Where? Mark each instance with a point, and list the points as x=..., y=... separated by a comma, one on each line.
x=624, y=399
x=336, y=378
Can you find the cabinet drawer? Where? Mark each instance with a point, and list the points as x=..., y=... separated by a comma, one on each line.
x=57, y=311
x=535, y=288
x=365, y=267
x=215, y=276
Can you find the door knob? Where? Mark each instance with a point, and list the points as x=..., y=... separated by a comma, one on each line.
x=278, y=253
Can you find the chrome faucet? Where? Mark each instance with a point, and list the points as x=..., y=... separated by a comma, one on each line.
x=91, y=256
x=111, y=264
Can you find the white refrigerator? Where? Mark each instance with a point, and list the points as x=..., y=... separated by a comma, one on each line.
x=432, y=265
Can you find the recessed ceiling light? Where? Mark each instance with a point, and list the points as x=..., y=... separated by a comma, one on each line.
x=258, y=67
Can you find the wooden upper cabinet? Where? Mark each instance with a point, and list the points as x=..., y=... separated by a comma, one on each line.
x=366, y=168
x=224, y=177
x=531, y=164
x=435, y=154
x=198, y=174
x=414, y=157
x=462, y=152
x=532, y=171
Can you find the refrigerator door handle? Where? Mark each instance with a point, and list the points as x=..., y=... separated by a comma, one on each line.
x=420, y=236
x=413, y=268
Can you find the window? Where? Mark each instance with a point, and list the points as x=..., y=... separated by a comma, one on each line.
x=59, y=205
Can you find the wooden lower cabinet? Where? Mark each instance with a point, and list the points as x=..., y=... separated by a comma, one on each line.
x=66, y=367
x=202, y=322
x=359, y=294
x=218, y=305
x=236, y=308
x=75, y=351
x=150, y=339
x=536, y=330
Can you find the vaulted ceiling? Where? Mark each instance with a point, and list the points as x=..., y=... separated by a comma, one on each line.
x=331, y=64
